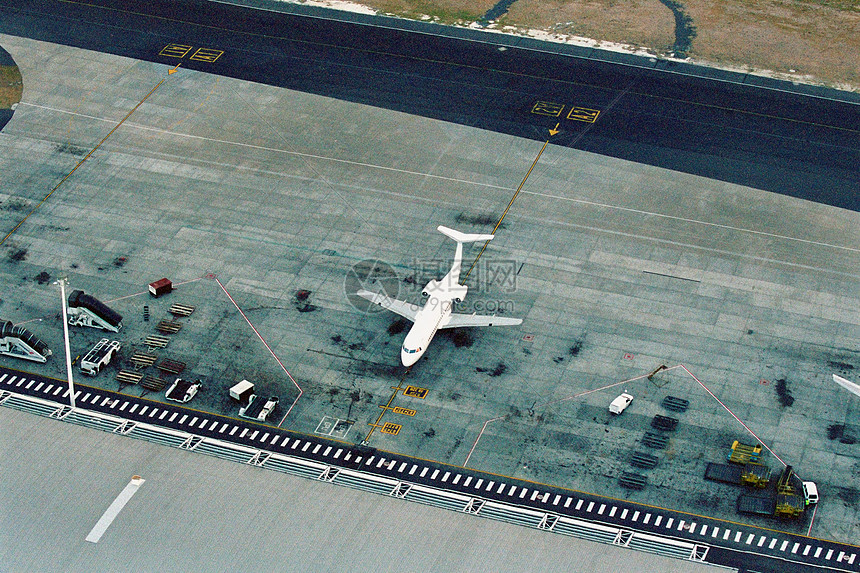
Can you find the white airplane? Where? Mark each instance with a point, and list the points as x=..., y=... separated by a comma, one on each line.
x=437, y=312
x=847, y=384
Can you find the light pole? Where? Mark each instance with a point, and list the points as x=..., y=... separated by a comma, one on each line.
x=62, y=283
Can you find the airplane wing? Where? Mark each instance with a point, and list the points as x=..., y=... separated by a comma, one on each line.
x=404, y=309
x=847, y=384
x=458, y=320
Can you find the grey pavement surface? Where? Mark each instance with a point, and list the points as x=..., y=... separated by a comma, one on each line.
x=197, y=513
x=615, y=267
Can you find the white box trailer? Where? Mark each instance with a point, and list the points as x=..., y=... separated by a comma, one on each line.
x=99, y=356
x=242, y=390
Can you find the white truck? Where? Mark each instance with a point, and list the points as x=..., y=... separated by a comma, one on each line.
x=99, y=356
x=182, y=390
x=257, y=409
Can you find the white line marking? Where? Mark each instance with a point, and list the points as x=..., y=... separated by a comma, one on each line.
x=113, y=510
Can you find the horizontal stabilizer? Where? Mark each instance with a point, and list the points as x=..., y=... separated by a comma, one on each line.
x=461, y=320
x=404, y=309
x=463, y=237
x=847, y=384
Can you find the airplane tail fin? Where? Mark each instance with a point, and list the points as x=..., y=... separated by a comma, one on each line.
x=463, y=237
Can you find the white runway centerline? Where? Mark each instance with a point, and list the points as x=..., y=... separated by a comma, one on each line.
x=111, y=512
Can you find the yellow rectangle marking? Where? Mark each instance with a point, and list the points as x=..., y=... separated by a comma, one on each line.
x=583, y=114
x=548, y=108
x=415, y=392
x=390, y=428
x=175, y=51
x=404, y=411
x=206, y=55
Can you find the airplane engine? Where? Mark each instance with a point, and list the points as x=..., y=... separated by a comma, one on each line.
x=459, y=292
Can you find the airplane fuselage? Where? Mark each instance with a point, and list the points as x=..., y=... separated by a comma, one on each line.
x=436, y=312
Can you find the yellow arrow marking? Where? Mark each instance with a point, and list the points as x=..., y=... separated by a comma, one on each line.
x=555, y=130
x=173, y=71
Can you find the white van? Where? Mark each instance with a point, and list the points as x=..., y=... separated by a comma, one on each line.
x=620, y=403
x=810, y=492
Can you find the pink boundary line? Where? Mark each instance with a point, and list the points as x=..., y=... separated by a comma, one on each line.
x=269, y=348
x=733, y=415
x=580, y=394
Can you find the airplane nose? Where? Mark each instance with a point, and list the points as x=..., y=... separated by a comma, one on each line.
x=409, y=359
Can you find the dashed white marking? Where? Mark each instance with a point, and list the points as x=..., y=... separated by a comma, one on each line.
x=434, y=474
x=39, y=387
x=828, y=555
x=635, y=516
x=738, y=536
x=750, y=538
x=523, y=493
x=726, y=534
x=715, y=531
x=173, y=417
x=805, y=549
x=276, y=437
x=30, y=384
x=338, y=452
x=669, y=522
x=254, y=435
x=703, y=530
x=183, y=418
x=154, y=411
x=457, y=477
x=556, y=499
x=795, y=547
x=601, y=509
x=658, y=520
x=818, y=551
x=191, y=423
x=590, y=506
x=60, y=389
x=579, y=504
x=534, y=495
x=234, y=430
x=142, y=410
x=325, y=453
x=773, y=544
x=446, y=476
x=647, y=518
x=316, y=449
x=783, y=546
x=413, y=469
x=423, y=472
x=612, y=511
x=124, y=404
x=245, y=431
x=624, y=513
x=761, y=540
x=402, y=467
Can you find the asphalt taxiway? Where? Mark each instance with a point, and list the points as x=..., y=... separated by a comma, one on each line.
x=617, y=267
